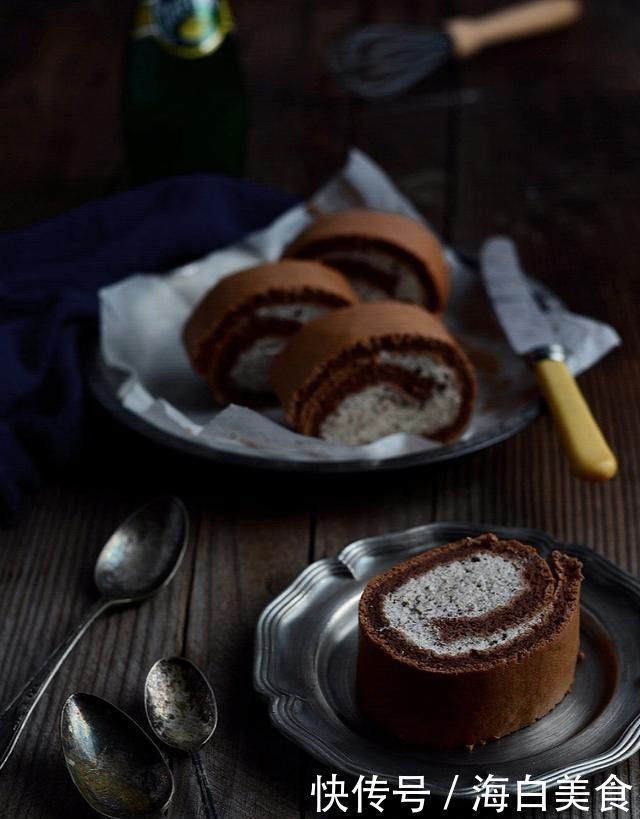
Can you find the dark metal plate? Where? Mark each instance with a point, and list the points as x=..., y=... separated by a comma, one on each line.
x=305, y=667
x=506, y=392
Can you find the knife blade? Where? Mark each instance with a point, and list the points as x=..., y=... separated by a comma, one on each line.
x=525, y=325
x=530, y=333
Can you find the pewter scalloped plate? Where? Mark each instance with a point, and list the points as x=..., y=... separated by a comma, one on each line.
x=305, y=666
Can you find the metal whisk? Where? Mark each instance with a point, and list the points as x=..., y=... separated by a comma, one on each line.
x=383, y=60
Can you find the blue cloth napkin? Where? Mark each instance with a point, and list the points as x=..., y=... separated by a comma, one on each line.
x=50, y=274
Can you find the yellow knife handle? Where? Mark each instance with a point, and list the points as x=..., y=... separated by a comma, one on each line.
x=584, y=443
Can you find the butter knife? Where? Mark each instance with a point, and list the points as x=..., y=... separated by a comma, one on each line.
x=530, y=334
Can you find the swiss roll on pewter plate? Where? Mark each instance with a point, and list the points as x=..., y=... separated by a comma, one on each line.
x=549, y=686
x=141, y=371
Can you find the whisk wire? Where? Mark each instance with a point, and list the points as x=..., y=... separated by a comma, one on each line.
x=381, y=60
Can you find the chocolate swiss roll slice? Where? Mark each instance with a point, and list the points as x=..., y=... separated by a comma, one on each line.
x=384, y=255
x=468, y=642
x=235, y=331
x=370, y=370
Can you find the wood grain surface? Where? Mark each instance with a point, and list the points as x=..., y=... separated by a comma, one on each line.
x=537, y=139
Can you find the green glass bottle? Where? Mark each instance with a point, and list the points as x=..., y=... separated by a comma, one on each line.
x=185, y=102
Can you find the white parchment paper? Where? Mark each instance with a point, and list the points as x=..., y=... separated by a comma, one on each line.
x=142, y=319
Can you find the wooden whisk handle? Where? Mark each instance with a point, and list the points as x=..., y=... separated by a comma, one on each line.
x=470, y=35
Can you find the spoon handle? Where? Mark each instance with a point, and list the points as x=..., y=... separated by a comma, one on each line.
x=15, y=716
x=205, y=788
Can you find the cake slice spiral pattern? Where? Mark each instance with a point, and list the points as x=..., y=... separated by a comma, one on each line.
x=384, y=255
x=370, y=370
x=468, y=642
x=239, y=326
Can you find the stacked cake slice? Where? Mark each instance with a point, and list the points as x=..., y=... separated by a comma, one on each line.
x=384, y=256
x=366, y=371
x=245, y=320
x=345, y=330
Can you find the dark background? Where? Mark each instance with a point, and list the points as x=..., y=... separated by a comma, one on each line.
x=537, y=139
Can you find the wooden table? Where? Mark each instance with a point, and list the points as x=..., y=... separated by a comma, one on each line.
x=539, y=140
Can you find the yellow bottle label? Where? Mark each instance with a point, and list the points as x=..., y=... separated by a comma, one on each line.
x=186, y=28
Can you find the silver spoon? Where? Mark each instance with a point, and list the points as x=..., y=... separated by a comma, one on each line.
x=140, y=557
x=182, y=711
x=113, y=763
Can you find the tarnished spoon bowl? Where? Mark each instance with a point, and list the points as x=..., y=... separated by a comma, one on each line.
x=180, y=704
x=112, y=762
x=144, y=552
x=182, y=711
